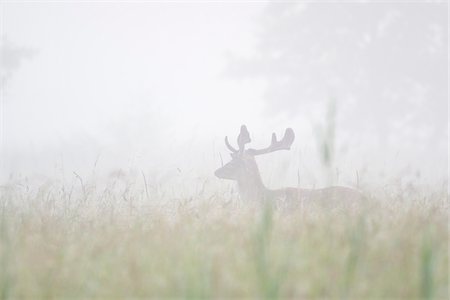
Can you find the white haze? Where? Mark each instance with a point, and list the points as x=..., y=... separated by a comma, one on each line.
x=154, y=87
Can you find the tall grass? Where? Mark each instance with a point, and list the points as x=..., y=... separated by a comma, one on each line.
x=126, y=241
x=5, y=269
x=270, y=273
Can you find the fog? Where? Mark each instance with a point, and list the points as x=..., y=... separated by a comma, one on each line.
x=155, y=87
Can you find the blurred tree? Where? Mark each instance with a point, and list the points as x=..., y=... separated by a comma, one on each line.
x=11, y=57
x=386, y=63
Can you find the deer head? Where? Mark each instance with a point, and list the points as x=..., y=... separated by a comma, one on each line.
x=242, y=166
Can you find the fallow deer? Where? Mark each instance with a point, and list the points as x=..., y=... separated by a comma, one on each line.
x=243, y=169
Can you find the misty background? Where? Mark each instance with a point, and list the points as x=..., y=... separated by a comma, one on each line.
x=95, y=88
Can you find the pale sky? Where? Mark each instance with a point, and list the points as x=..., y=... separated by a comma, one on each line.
x=158, y=85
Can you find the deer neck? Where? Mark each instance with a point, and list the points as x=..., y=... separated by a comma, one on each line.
x=251, y=186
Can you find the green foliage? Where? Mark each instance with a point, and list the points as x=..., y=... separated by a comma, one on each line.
x=357, y=236
x=427, y=266
x=325, y=137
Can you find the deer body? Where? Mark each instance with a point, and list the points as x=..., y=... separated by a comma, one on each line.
x=243, y=169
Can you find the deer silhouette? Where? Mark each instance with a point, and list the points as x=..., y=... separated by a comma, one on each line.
x=244, y=169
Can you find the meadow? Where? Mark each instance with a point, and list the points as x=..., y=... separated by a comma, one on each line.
x=128, y=239
x=113, y=116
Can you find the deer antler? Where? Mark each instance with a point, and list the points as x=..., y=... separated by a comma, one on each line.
x=243, y=138
x=231, y=148
x=275, y=145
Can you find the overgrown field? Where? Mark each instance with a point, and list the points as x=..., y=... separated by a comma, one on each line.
x=91, y=242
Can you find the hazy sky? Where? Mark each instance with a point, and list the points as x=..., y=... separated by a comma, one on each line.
x=158, y=85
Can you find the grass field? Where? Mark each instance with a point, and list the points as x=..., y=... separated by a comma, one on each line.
x=91, y=242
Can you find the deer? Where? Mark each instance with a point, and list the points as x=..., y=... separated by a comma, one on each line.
x=244, y=170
